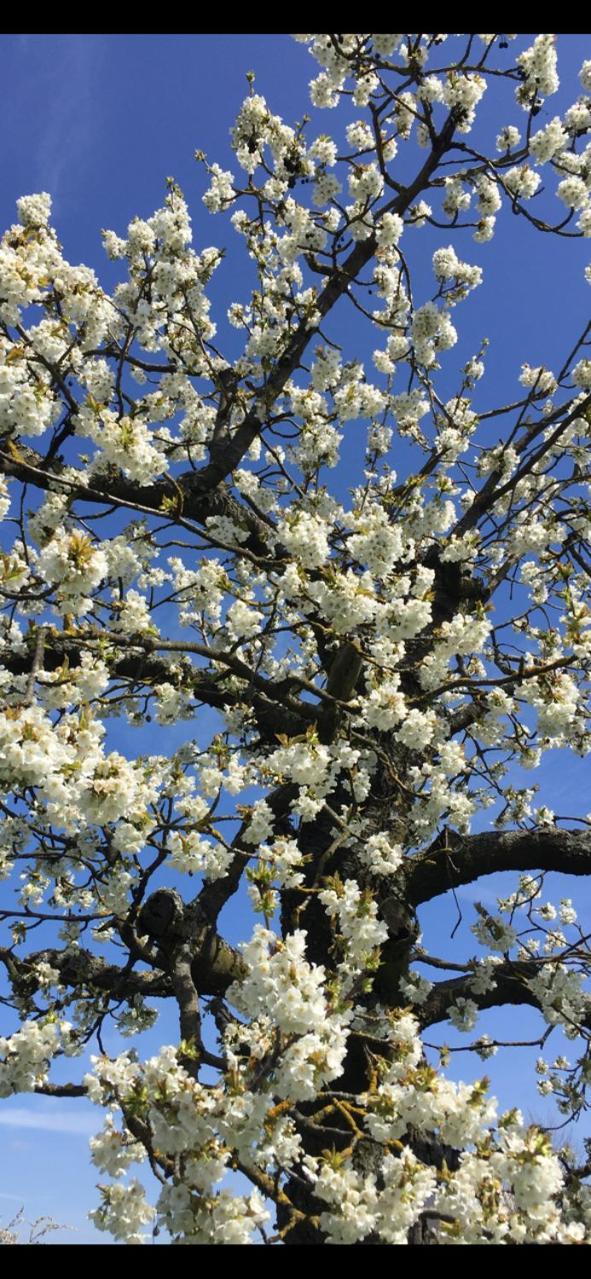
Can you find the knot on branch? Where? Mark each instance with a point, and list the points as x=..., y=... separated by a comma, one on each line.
x=162, y=916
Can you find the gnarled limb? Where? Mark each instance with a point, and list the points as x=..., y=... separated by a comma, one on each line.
x=511, y=986
x=454, y=859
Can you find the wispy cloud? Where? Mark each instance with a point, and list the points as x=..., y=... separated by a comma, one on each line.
x=64, y=1121
x=66, y=142
x=59, y=83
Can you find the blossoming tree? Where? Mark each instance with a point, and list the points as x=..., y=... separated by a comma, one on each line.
x=372, y=664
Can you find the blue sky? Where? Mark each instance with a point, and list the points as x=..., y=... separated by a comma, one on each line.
x=100, y=122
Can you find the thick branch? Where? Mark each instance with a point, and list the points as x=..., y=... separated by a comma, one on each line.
x=274, y=709
x=30, y=467
x=215, y=965
x=187, y=998
x=167, y=921
x=511, y=987
x=79, y=968
x=455, y=860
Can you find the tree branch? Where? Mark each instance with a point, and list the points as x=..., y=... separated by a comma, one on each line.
x=510, y=987
x=454, y=859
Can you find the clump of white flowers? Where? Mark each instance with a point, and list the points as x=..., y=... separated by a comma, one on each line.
x=70, y=561
x=26, y=1056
